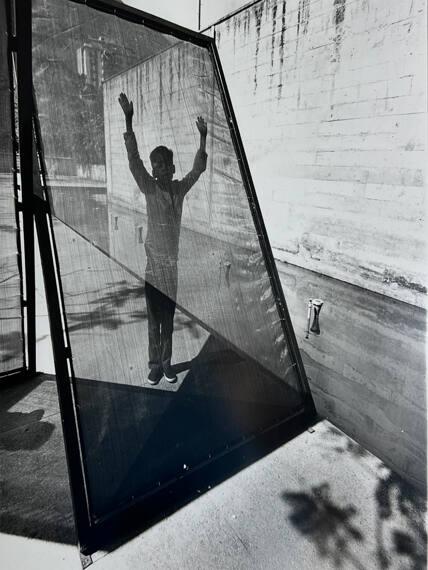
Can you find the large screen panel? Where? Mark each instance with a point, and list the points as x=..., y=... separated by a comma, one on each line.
x=11, y=319
x=179, y=346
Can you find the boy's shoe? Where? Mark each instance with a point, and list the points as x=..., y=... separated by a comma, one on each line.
x=154, y=376
x=170, y=375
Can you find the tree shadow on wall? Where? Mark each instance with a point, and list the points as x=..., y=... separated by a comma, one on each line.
x=111, y=309
x=116, y=307
x=329, y=525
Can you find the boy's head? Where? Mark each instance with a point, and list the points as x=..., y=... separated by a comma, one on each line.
x=162, y=160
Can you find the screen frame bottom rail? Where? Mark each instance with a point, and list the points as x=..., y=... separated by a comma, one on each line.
x=116, y=529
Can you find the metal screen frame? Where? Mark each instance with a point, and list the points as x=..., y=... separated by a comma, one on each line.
x=91, y=535
x=18, y=41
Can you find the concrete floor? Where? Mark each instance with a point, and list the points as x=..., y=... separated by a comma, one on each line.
x=319, y=501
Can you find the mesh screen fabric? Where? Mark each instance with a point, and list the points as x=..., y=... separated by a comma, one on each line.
x=229, y=287
x=235, y=376
x=11, y=335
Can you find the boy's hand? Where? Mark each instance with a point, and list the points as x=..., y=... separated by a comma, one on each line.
x=202, y=126
x=127, y=106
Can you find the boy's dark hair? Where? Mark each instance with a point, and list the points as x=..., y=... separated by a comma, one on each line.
x=164, y=152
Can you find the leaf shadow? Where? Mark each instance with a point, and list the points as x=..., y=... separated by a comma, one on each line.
x=328, y=524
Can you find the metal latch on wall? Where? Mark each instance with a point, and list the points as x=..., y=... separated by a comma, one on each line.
x=316, y=305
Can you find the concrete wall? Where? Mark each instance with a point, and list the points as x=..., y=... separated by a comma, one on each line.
x=367, y=368
x=331, y=102
x=212, y=12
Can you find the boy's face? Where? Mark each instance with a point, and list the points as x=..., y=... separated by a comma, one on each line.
x=161, y=169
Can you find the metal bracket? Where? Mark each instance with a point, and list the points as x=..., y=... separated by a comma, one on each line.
x=85, y=560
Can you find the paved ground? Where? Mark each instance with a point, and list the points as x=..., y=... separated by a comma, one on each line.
x=319, y=501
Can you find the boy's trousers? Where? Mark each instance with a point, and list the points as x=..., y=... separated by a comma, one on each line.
x=160, y=314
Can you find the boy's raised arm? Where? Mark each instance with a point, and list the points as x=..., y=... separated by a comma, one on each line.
x=200, y=161
x=128, y=110
x=202, y=128
x=136, y=166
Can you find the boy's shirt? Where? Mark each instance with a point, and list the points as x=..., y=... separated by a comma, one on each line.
x=164, y=205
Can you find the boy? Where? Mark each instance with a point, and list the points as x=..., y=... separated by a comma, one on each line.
x=164, y=200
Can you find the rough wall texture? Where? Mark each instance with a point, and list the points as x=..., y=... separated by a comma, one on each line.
x=330, y=98
x=367, y=367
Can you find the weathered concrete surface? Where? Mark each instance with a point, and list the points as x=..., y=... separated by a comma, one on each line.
x=367, y=368
x=320, y=501
x=330, y=97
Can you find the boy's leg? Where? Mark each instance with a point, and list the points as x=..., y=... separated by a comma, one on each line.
x=154, y=315
x=170, y=275
x=167, y=327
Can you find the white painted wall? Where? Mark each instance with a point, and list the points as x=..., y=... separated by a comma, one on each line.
x=330, y=97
